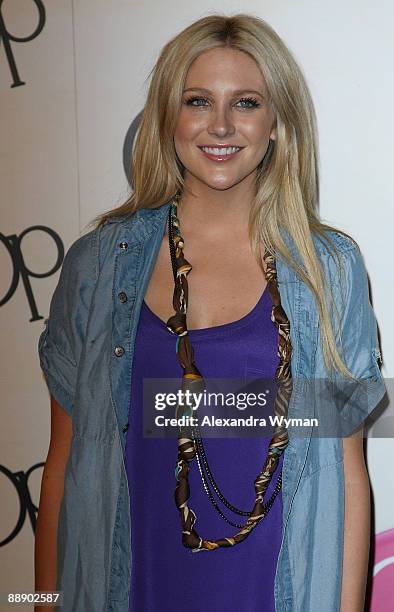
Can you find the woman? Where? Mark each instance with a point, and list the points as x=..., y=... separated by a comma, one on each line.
x=216, y=266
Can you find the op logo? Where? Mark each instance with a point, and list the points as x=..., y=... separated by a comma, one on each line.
x=17, y=495
x=6, y=37
x=20, y=269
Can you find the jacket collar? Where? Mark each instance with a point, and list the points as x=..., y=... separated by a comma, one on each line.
x=145, y=221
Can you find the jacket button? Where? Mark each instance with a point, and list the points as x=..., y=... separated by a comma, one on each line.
x=125, y=428
x=119, y=351
x=123, y=245
x=122, y=297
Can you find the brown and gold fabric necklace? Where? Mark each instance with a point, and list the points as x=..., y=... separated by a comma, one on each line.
x=190, y=443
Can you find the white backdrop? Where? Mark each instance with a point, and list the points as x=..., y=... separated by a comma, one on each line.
x=68, y=97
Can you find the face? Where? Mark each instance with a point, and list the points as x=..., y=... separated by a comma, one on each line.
x=225, y=122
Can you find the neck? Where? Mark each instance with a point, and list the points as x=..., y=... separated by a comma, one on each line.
x=217, y=211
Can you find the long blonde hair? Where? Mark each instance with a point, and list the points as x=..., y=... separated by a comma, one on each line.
x=287, y=193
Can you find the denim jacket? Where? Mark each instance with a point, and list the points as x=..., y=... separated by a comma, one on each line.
x=86, y=353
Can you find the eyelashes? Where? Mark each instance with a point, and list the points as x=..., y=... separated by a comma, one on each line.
x=252, y=102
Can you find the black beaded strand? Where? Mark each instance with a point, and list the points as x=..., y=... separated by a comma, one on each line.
x=201, y=457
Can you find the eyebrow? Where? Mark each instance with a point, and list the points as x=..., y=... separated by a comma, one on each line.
x=237, y=92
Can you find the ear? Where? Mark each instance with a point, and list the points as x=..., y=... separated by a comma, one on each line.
x=273, y=130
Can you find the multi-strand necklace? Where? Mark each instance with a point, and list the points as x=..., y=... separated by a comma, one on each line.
x=190, y=444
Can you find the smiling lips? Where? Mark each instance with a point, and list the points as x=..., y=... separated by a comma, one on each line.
x=220, y=154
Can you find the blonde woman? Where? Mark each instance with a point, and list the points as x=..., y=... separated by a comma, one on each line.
x=217, y=266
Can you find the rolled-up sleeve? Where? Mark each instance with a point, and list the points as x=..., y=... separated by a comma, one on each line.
x=61, y=342
x=360, y=346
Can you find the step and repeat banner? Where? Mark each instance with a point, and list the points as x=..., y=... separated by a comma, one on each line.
x=72, y=85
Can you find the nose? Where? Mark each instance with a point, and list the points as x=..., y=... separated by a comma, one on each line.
x=221, y=123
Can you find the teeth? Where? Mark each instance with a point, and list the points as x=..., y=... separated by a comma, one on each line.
x=220, y=150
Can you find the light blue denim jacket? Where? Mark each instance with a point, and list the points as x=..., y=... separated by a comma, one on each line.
x=89, y=318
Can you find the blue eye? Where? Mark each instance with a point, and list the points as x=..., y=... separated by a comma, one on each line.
x=249, y=102
x=190, y=101
x=252, y=101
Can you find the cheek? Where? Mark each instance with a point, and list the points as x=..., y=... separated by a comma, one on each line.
x=187, y=128
x=256, y=131
x=256, y=127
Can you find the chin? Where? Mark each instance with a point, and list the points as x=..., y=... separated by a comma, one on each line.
x=223, y=186
x=220, y=184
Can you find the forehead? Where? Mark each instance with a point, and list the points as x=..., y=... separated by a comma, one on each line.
x=225, y=66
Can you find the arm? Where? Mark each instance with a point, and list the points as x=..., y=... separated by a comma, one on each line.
x=359, y=349
x=357, y=525
x=60, y=347
x=45, y=548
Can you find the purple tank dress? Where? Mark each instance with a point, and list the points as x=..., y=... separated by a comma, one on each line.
x=166, y=576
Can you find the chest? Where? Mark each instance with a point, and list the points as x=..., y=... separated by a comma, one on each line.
x=225, y=282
